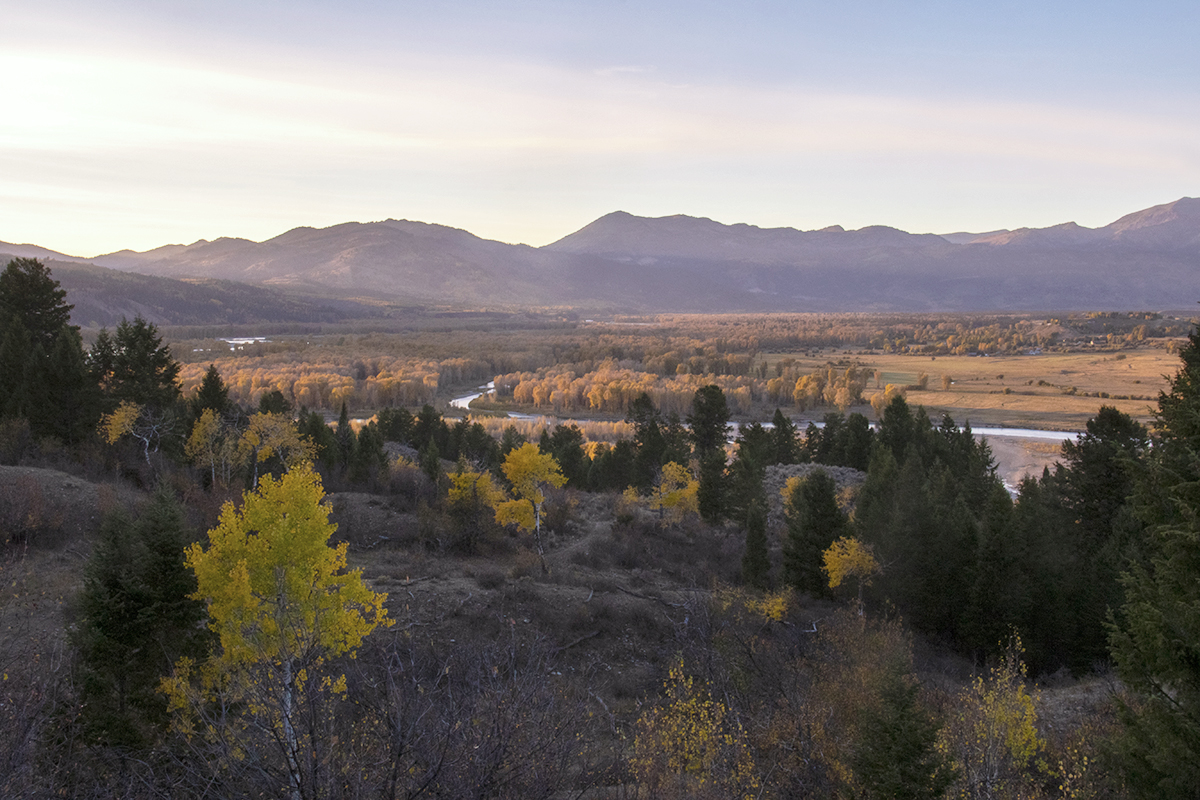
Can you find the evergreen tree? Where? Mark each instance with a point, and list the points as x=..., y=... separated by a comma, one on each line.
x=647, y=439
x=897, y=429
x=814, y=522
x=29, y=293
x=71, y=408
x=479, y=447
x=136, y=619
x=17, y=371
x=273, y=402
x=709, y=420
x=510, y=439
x=710, y=497
x=368, y=461
x=212, y=394
x=756, y=563
x=396, y=424
x=784, y=448
x=344, y=435
x=430, y=427
x=858, y=442
x=1094, y=485
x=431, y=462
x=135, y=366
x=897, y=757
x=566, y=445
x=43, y=377
x=677, y=440
x=749, y=469
x=1155, y=638
x=828, y=441
x=612, y=467
x=312, y=425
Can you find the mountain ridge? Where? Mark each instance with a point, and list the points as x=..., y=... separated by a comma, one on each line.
x=1146, y=259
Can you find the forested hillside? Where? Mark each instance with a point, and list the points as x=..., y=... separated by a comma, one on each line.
x=425, y=605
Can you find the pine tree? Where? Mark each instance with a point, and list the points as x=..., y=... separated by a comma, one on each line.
x=1155, y=638
x=756, y=563
x=783, y=439
x=136, y=619
x=709, y=419
x=346, y=440
x=28, y=293
x=135, y=366
x=396, y=424
x=647, y=439
x=814, y=522
x=711, y=494
x=43, y=375
x=896, y=757
x=369, y=460
x=212, y=394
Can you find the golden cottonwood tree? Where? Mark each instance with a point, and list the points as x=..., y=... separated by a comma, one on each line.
x=530, y=471
x=282, y=604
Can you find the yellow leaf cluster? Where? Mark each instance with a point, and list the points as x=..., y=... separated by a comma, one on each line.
x=120, y=422
x=690, y=745
x=992, y=735
x=468, y=487
x=849, y=558
x=675, y=491
x=518, y=512
x=270, y=435
x=273, y=585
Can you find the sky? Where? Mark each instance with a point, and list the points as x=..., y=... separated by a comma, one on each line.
x=139, y=123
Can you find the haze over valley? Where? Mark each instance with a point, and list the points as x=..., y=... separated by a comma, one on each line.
x=1148, y=259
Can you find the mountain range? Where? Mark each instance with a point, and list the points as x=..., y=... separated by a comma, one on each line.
x=1149, y=259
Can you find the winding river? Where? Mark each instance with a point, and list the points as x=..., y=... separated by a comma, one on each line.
x=464, y=403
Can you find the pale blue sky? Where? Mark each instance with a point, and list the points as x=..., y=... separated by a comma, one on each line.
x=136, y=124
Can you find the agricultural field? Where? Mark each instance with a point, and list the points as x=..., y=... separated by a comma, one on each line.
x=1048, y=391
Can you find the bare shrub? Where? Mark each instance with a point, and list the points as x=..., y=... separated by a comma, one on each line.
x=525, y=565
x=483, y=720
x=25, y=518
x=16, y=440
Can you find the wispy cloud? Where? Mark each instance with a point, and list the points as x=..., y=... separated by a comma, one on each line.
x=241, y=146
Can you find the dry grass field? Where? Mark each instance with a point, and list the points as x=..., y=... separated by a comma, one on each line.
x=1052, y=391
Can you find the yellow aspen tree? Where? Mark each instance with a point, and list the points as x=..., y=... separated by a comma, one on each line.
x=282, y=604
x=468, y=487
x=472, y=499
x=148, y=425
x=849, y=558
x=674, y=493
x=691, y=746
x=212, y=447
x=530, y=471
x=270, y=435
x=120, y=422
x=992, y=734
